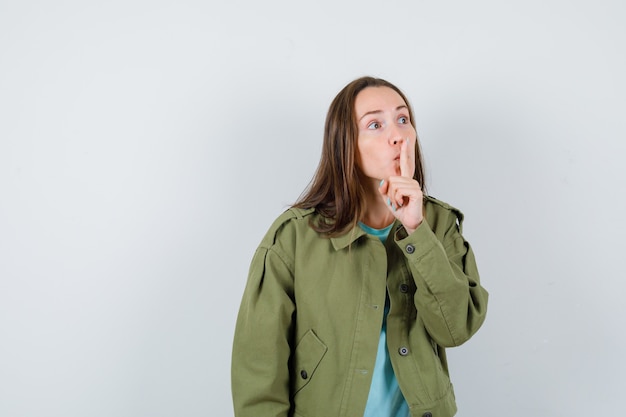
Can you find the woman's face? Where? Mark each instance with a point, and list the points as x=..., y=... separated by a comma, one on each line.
x=383, y=121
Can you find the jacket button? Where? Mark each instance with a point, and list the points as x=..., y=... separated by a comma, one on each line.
x=427, y=414
x=410, y=248
x=303, y=374
x=403, y=351
x=404, y=288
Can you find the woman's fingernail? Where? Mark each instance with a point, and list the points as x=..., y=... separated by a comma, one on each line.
x=381, y=183
x=388, y=201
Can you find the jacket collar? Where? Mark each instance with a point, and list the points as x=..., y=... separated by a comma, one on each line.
x=350, y=236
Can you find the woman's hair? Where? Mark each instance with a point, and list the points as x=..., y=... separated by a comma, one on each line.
x=336, y=190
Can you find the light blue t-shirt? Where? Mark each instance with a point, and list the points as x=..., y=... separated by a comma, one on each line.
x=385, y=398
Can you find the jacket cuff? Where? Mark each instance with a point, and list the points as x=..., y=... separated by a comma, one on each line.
x=418, y=243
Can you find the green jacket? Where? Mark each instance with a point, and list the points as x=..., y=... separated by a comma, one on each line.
x=310, y=319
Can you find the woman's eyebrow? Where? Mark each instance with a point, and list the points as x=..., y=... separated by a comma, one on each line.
x=403, y=106
x=370, y=112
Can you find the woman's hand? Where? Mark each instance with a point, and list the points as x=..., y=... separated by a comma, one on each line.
x=403, y=194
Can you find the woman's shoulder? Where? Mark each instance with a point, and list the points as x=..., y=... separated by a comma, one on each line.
x=440, y=204
x=438, y=212
x=288, y=226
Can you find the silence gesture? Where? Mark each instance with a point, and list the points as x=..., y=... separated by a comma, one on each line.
x=403, y=194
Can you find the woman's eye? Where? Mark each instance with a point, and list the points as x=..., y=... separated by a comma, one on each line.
x=373, y=126
x=403, y=120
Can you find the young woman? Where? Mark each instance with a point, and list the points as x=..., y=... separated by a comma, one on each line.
x=355, y=291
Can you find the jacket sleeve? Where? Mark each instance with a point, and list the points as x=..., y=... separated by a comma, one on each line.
x=261, y=348
x=449, y=298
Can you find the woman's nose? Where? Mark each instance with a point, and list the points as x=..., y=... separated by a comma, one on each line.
x=395, y=136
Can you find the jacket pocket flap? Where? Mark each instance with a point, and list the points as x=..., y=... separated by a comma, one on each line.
x=309, y=353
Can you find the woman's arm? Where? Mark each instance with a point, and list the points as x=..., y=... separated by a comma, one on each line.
x=261, y=348
x=449, y=298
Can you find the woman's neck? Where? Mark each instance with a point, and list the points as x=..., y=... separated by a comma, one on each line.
x=377, y=214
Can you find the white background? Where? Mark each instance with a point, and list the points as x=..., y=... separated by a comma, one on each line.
x=146, y=146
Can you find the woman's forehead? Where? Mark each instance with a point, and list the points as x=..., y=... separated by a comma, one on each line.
x=373, y=99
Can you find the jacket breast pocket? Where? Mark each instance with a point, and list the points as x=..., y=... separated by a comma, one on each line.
x=308, y=355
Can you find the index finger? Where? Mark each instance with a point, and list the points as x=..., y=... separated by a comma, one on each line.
x=407, y=158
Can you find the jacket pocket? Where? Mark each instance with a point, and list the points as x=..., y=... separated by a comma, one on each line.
x=308, y=355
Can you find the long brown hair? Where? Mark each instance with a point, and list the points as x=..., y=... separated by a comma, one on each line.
x=336, y=190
